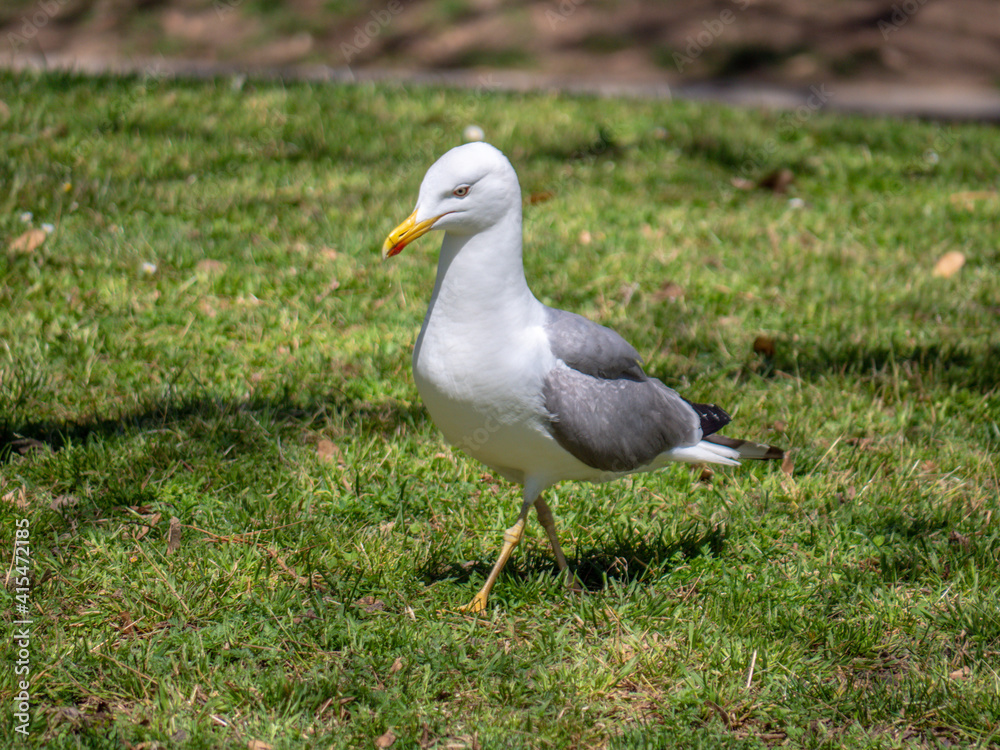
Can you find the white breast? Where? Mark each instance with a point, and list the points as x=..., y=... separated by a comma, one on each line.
x=483, y=389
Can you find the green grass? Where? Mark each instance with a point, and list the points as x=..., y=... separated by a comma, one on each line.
x=256, y=386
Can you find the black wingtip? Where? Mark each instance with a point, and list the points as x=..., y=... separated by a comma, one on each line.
x=713, y=418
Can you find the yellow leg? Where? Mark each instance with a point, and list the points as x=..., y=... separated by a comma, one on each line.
x=511, y=537
x=548, y=522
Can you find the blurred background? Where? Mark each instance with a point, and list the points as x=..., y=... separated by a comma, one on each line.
x=887, y=45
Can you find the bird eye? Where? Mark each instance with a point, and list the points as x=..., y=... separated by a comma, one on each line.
x=461, y=191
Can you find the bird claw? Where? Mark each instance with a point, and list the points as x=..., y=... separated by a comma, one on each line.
x=477, y=605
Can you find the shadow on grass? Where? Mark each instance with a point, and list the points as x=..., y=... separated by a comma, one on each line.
x=604, y=145
x=932, y=365
x=218, y=419
x=620, y=556
x=936, y=544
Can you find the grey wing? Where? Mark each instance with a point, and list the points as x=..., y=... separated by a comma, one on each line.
x=617, y=424
x=591, y=348
x=604, y=409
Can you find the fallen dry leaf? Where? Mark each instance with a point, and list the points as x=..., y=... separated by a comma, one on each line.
x=948, y=264
x=773, y=237
x=128, y=624
x=332, y=286
x=541, y=197
x=370, y=604
x=17, y=498
x=29, y=241
x=69, y=714
x=343, y=714
x=174, y=535
x=961, y=540
x=327, y=450
x=386, y=739
x=722, y=713
x=960, y=674
x=585, y=238
x=210, y=266
x=967, y=198
x=777, y=181
x=63, y=501
x=307, y=615
x=706, y=475
x=764, y=345
x=150, y=523
x=787, y=464
x=396, y=665
x=668, y=290
x=628, y=291
x=257, y=745
x=28, y=445
x=207, y=308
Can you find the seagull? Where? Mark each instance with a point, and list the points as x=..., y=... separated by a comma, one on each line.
x=538, y=395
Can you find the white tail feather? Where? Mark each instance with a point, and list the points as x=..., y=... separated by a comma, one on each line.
x=703, y=452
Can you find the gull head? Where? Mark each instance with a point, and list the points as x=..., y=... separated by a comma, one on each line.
x=465, y=192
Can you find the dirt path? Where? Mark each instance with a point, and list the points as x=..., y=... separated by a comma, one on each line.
x=930, y=58
x=940, y=102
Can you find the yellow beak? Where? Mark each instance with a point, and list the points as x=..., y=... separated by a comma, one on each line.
x=405, y=233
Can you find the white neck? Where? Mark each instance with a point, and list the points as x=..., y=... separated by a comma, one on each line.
x=480, y=280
